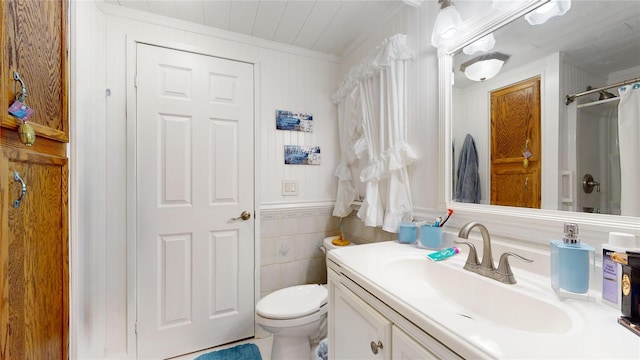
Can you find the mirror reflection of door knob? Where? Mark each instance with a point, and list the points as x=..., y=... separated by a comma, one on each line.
x=588, y=183
x=245, y=215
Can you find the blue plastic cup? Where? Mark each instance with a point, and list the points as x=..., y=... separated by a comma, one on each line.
x=430, y=236
x=407, y=232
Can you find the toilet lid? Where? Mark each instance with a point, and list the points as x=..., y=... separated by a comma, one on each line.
x=292, y=302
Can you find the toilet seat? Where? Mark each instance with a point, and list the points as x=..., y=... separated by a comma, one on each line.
x=293, y=302
x=293, y=322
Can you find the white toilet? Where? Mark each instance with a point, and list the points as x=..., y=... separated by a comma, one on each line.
x=294, y=314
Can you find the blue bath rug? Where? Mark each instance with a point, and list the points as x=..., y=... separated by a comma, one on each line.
x=239, y=352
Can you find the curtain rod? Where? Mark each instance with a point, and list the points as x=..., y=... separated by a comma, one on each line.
x=569, y=98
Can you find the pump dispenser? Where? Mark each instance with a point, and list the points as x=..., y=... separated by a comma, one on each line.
x=572, y=263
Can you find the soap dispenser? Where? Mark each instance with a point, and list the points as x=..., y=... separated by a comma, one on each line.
x=572, y=263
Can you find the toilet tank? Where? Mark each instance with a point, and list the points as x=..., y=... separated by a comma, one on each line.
x=328, y=245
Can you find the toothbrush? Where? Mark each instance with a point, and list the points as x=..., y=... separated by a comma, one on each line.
x=449, y=212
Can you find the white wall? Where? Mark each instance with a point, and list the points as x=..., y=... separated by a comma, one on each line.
x=288, y=78
x=88, y=209
x=302, y=84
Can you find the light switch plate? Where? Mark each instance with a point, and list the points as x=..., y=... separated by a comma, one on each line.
x=289, y=187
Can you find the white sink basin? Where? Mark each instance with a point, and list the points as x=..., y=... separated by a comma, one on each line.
x=478, y=317
x=477, y=297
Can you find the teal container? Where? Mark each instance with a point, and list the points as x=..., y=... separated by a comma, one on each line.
x=570, y=266
x=407, y=232
x=430, y=236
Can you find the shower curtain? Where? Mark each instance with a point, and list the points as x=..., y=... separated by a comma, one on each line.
x=349, y=134
x=628, y=135
x=379, y=85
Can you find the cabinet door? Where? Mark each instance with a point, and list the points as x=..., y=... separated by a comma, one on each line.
x=406, y=348
x=33, y=256
x=358, y=331
x=34, y=43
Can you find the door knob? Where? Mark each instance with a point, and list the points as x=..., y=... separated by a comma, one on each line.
x=245, y=215
x=588, y=183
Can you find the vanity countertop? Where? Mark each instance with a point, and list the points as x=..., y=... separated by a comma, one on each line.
x=590, y=331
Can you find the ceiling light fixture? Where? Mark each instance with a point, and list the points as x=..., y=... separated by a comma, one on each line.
x=484, y=67
x=547, y=11
x=481, y=45
x=447, y=24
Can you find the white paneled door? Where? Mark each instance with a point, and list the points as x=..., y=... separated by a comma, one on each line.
x=195, y=167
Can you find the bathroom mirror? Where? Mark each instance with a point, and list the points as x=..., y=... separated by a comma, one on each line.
x=596, y=43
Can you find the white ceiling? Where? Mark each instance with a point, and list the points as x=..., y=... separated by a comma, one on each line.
x=327, y=26
x=600, y=37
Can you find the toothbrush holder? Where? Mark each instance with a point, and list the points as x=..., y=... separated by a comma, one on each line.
x=430, y=237
x=407, y=232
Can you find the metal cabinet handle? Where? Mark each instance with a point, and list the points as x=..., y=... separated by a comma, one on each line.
x=245, y=215
x=23, y=91
x=17, y=177
x=375, y=347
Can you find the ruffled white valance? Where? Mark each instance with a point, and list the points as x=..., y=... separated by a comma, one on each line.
x=392, y=49
x=373, y=126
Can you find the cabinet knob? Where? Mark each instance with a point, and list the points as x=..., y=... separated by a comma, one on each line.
x=375, y=347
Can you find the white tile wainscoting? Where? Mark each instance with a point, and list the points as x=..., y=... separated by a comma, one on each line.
x=290, y=241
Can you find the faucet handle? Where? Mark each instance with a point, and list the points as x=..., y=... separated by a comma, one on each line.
x=472, y=259
x=504, y=269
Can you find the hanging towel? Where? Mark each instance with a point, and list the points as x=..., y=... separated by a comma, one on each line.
x=468, y=184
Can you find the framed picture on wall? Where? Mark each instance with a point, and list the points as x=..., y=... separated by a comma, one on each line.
x=289, y=120
x=301, y=155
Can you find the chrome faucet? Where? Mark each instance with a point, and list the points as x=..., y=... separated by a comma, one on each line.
x=486, y=268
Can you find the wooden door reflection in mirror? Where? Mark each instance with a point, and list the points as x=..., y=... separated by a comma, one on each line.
x=515, y=145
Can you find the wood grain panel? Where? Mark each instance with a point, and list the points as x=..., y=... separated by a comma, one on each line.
x=34, y=257
x=9, y=139
x=516, y=187
x=35, y=44
x=515, y=126
x=514, y=111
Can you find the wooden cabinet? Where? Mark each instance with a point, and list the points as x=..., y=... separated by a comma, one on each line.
x=34, y=279
x=34, y=256
x=34, y=38
x=359, y=329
